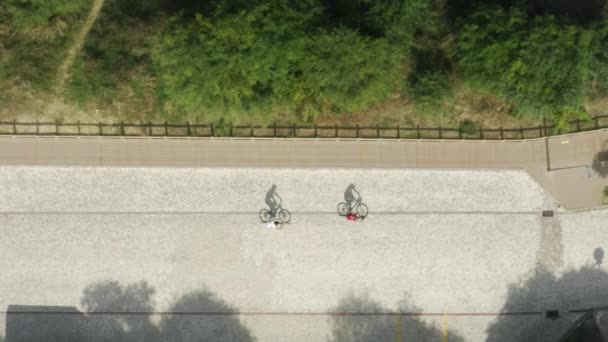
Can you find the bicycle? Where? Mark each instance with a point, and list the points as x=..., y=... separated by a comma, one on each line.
x=360, y=208
x=283, y=214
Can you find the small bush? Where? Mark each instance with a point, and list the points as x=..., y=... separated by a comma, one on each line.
x=469, y=127
x=431, y=90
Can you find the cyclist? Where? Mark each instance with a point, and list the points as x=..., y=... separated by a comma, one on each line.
x=273, y=224
x=354, y=217
x=351, y=196
x=271, y=199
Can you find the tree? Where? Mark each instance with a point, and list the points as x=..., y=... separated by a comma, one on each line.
x=538, y=65
x=282, y=57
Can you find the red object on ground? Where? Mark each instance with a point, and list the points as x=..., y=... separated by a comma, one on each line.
x=351, y=217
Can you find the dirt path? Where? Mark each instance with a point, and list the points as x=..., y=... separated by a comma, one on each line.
x=63, y=72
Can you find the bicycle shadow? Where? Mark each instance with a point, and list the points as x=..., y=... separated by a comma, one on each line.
x=275, y=210
x=353, y=203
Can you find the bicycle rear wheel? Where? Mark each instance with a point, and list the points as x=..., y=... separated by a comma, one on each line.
x=265, y=215
x=342, y=209
x=285, y=215
x=362, y=210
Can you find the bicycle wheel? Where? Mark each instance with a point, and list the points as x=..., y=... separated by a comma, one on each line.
x=265, y=215
x=362, y=210
x=342, y=209
x=278, y=225
x=284, y=216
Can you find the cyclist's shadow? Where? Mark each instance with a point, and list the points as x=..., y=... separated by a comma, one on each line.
x=352, y=203
x=273, y=201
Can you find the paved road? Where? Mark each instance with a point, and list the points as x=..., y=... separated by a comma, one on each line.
x=569, y=157
x=436, y=241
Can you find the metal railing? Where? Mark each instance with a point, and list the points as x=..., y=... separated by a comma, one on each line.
x=187, y=129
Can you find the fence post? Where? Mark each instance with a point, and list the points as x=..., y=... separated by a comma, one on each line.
x=540, y=130
x=166, y=128
x=398, y=132
x=100, y=129
x=480, y=132
x=578, y=125
x=37, y=127
x=544, y=126
x=460, y=132
x=597, y=122
x=78, y=125
x=377, y=131
x=274, y=129
x=150, y=128
x=14, y=126
x=56, y=127
x=501, y=133
x=357, y=130
x=211, y=129
x=336, y=130
x=440, y=132
x=316, y=135
x=418, y=131
x=188, y=128
x=122, y=128
x=251, y=130
x=231, y=133
x=521, y=131
x=295, y=132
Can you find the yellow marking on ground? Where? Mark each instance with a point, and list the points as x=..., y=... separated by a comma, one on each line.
x=565, y=142
x=398, y=339
x=445, y=327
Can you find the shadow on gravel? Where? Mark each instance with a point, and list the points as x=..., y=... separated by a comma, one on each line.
x=598, y=256
x=583, y=289
x=600, y=164
x=118, y=313
x=368, y=322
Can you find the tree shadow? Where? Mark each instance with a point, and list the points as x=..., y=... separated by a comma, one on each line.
x=362, y=319
x=117, y=313
x=104, y=301
x=584, y=288
x=220, y=326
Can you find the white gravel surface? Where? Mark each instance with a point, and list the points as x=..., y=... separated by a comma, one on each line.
x=453, y=241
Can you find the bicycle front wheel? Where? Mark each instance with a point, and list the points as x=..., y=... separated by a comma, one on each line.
x=362, y=210
x=265, y=215
x=342, y=209
x=285, y=215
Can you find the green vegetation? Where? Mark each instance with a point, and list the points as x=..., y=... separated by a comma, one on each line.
x=276, y=57
x=307, y=61
x=539, y=66
x=35, y=33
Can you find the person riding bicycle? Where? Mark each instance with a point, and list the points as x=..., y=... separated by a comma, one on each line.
x=273, y=200
x=351, y=196
x=273, y=224
x=354, y=217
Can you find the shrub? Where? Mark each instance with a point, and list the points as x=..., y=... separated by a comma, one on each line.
x=431, y=90
x=469, y=127
x=538, y=65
